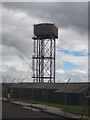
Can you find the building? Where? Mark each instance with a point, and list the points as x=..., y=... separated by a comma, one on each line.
x=76, y=93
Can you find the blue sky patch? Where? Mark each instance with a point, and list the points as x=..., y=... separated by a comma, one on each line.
x=80, y=53
x=69, y=66
x=75, y=53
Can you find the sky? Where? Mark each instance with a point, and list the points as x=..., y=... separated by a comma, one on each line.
x=45, y=0
x=16, y=47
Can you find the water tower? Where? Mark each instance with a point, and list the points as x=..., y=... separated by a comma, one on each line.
x=43, y=59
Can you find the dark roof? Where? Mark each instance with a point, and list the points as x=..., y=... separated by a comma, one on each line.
x=58, y=87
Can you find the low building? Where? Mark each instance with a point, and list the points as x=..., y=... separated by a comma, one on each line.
x=76, y=93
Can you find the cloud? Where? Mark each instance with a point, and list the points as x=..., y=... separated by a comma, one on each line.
x=81, y=62
x=45, y=1
x=0, y=24
x=77, y=73
x=65, y=15
x=15, y=67
x=60, y=71
x=71, y=40
x=13, y=73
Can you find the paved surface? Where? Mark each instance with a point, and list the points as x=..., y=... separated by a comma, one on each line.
x=26, y=110
x=53, y=110
x=10, y=110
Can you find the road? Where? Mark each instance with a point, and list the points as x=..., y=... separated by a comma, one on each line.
x=10, y=110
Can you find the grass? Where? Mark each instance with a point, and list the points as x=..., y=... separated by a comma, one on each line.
x=78, y=110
